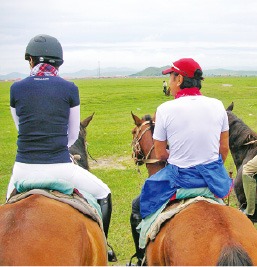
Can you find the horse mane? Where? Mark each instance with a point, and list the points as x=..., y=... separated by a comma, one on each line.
x=148, y=117
x=239, y=132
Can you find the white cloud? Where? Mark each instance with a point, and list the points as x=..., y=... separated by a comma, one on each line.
x=132, y=33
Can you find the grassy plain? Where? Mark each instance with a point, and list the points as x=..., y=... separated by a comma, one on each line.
x=109, y=135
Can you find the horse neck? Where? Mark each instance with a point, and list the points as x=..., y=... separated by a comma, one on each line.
x=79, y=148
x=147, y=145
x=238, y=137
x=152, y=168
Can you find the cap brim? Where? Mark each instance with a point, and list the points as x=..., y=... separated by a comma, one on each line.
x=167, y=71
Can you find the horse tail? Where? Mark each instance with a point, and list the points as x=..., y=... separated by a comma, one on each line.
x=234, y=255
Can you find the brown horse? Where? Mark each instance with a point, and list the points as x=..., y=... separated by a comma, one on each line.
x=243, y=147
x=201, y=234
x=42, y=231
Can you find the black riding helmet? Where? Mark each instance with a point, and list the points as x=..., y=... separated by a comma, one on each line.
x=46, y=49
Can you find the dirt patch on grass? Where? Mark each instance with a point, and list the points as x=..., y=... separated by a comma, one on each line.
x=226, y=85
x=119, y=163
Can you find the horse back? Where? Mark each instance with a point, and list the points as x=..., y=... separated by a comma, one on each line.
x=42, y=231
x=198, y=234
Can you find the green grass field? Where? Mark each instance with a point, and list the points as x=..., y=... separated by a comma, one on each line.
x=109, y=136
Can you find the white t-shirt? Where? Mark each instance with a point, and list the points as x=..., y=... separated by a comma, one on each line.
x=192, y=125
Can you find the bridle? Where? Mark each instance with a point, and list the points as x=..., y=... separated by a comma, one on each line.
x=137, y=154
x=251, y=142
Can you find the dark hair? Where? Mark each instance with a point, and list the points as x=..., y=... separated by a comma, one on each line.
x=38, y=60
x=192, y=82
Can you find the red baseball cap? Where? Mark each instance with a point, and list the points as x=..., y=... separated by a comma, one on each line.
x=185, y=66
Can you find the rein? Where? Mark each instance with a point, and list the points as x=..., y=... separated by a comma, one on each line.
x=75, y=158
x=251, y=142
x=86, y=145
x=137, y=148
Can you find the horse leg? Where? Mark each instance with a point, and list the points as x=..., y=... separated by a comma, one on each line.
x=155, y=255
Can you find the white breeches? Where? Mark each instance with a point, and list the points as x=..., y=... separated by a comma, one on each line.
x=79, y=177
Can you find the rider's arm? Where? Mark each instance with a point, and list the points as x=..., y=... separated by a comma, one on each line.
x=160, y=150
x=224, y=145
x=159, y=138
x=74, y=125
x=15, y=118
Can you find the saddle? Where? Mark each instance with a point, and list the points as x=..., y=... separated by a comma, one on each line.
x=151, y=225
x=86, y=204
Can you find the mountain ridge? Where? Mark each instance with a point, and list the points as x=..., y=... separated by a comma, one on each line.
x=127, y=72
x=154, y=71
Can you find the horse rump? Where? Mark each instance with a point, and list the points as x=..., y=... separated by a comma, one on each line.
x=234, y=255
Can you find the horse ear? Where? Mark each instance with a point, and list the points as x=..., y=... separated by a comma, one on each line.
x=137, y=121
x=86, y=121
x=230, y=107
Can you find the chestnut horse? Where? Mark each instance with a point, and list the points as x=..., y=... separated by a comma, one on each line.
x=42, y=231
x=201, y=234
x=243, y=147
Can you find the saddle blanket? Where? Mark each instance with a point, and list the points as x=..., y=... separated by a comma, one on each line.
x=151, y=225
x=87, y=205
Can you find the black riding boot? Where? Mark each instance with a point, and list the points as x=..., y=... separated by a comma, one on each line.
x=135, y=220
x=106, y=209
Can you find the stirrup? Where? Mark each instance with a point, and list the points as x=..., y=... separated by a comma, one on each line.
x=111, y=254
x=140, y=262
x=130, y=262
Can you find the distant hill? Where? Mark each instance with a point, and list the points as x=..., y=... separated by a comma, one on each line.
x=12, y=76
x=122, y=72
x=153, y=71
x=225, y=72
x=105, y=72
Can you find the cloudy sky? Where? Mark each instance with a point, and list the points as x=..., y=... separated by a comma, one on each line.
x=132, y=33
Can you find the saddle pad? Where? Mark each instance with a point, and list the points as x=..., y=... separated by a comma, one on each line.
x=60, y=185
x=151, y=225
x=73, y=200
x=184, y=193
